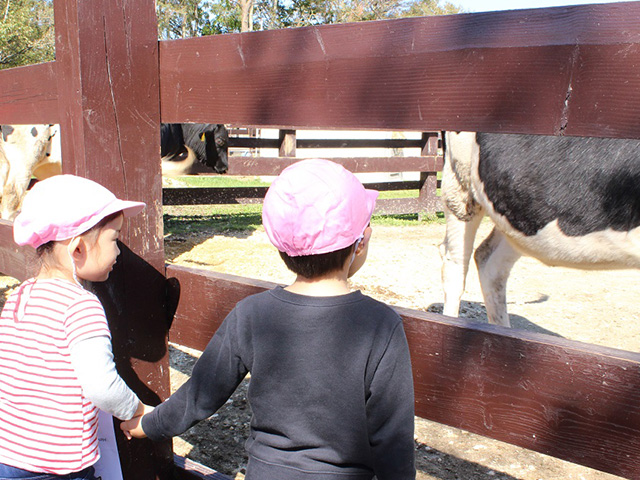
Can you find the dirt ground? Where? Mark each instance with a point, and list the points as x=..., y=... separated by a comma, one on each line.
x=404, y=269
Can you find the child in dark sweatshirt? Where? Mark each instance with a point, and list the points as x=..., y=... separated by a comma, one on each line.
x=331, y=389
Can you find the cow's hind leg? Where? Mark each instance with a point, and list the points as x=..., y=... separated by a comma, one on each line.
x=494, y=258
x=456, y=252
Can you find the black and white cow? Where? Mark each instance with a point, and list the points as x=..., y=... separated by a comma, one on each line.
x=566, y=201
x=182, y=144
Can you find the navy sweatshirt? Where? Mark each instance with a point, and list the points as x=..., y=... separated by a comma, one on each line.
x=331, y=390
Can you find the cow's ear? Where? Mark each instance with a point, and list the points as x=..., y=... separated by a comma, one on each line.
x=6, y=131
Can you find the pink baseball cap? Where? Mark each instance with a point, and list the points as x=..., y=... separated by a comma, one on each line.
x=65, y=206
x=316, y=206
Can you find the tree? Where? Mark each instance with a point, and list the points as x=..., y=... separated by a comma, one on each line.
x=272, y=14
x=26, y=32
x=182, y=18
x=429, y=7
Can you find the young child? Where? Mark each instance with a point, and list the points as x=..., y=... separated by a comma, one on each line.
x=331, y=389
x=56, y=363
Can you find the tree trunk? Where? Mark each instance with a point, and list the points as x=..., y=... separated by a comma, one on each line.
x=246, y=7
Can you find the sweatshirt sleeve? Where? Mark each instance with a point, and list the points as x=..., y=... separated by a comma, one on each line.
x=390, y=412
x=213, y=380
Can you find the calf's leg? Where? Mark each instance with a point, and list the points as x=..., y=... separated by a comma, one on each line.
x=456, y=252
x=494, y=258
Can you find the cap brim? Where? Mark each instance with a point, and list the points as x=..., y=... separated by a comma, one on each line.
x=132, y=208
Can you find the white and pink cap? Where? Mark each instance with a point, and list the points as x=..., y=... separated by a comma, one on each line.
x=316, y=206
x=65, y=206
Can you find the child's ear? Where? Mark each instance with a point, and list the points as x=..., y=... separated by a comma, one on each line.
x=366, y=236
x=77, y=247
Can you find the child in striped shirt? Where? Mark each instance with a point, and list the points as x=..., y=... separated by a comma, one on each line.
x=56, y=362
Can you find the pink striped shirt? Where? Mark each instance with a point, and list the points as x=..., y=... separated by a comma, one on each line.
x=46, y=424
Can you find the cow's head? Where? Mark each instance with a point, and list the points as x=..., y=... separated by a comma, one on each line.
x=216, y=142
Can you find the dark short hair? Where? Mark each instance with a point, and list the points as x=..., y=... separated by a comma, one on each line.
x=314, y=266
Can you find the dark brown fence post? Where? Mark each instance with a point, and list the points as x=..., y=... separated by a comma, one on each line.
x=428, y=201
x=107, y=78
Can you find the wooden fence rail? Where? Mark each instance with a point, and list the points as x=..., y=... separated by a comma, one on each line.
x=429, y=163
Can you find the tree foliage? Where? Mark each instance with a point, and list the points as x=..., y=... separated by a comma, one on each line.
x=299, y=13
x=26, y=32
x=180, y=18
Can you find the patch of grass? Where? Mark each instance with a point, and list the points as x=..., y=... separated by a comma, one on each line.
x=407, y=219
x=221, y=181
x=399, y=194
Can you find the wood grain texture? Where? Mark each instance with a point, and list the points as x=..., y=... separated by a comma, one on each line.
x=567, y=70
x=274, y=165
x=110, y=122
x=29, y=94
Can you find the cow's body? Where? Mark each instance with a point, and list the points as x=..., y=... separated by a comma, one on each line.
x=185, y=146
x=566, y=201
x=26, y=151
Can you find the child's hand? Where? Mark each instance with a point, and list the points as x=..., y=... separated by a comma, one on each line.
x=133, y=428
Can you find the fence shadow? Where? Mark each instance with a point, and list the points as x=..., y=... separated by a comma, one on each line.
x=444, y=466
x=477, y=312
x=183, y=232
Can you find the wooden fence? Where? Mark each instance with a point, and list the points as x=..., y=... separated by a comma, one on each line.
x=561, y=71
x=429, y=163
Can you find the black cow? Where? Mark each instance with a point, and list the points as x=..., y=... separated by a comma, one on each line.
x=566, y=201
x=184, y=143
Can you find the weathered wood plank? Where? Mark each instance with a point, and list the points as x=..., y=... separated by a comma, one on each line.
x=253, y=142
x=189, y=470
x=568, y=399
x=196, y=321
x=29, y=94
x=212, y=196
x=107, y=77
x=567, y=70
x=274, y=165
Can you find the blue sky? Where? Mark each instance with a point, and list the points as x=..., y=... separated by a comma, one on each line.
x=492, y=5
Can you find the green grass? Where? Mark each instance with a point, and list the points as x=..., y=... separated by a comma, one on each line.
x=221, y=181
x=407, y=219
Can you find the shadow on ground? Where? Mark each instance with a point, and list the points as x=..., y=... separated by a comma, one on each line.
x=476, y=312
